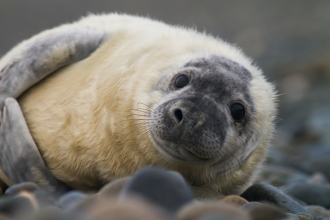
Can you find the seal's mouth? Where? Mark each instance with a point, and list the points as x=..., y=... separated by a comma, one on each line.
x=175, y=152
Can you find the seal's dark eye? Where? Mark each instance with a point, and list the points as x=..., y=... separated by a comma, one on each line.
x=237, y=112
x=181, y=81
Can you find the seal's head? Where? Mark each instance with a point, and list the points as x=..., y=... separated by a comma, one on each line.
x=209, y=115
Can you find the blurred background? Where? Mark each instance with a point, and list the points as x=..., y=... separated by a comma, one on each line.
x=289, y=40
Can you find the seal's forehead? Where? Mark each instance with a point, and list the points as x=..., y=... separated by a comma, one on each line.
x=219, y=64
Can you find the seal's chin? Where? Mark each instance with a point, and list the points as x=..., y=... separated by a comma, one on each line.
x=174, y=152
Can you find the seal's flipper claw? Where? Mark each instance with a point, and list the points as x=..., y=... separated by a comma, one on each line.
x=20, y=159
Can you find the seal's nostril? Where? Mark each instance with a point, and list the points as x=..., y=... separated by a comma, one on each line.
x=178, y=115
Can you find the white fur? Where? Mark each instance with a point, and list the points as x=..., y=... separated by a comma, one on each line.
x=76, y=114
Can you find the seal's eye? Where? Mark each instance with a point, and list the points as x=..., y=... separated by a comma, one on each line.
x=237, y=112
x=181, y=81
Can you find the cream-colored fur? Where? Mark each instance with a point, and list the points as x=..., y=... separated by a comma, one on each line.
x=80, y=116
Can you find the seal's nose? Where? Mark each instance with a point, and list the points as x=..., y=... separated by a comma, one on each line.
x=178, y=115
x=184, y=116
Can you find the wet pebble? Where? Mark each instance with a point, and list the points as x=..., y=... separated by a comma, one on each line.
x=305, y=216
x=311, y=194
x=263, y=211
x=318, y=179
x=278, y=175
x=211, y=210
x=49, y=213
x=234, y=200
x=14, y=207
x=290, y=216
x=159, y=187
x=316, y=210
x=128, y=209
x=263, y=192
x=17, y=188
x=113, y=188
x=69, y=200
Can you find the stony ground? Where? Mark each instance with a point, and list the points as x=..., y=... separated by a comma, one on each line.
x=289, y=40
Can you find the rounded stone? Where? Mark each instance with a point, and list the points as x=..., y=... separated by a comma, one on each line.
x=49, y=213
x=266, y=211
x=311, y=194
x=14, y=207
x=105, y=209
x=17, y=188
x=159, y=187
x=290, y=216
x=234, y=200
x=316, y=210
x=113, y=188
x=318, y=179
x=264, y=192
x=250, y=205
x=68, y=200
x=44, y=199
x=206, y=210
x=305, y=216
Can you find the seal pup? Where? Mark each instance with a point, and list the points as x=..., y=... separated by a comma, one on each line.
x=125, y=92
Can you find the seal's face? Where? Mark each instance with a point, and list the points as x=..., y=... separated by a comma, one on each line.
x=206, y=114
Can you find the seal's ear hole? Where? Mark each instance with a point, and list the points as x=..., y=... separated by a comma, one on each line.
x=181, y=81
x=237, y=112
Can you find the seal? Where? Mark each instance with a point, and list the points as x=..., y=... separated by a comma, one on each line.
x=110, y=94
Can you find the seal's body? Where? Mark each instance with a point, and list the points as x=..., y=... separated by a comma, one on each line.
x=148, y=94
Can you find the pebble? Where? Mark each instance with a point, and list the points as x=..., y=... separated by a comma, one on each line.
x=316, y=210
x=205, y=210
x=69, y=200
x=290, y=216
x=234, y=200
x=49, y=213
x=14, y=207
x=156, y=193
x=264, y=192
x=318, y=179
x=113, y=188
x=278, y=175
x=127, y=209
x=305, y=216
x=17, y=188
x=159, y=187
x=264, y=211
x=311, y=194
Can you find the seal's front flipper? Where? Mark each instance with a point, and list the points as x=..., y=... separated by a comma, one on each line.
x=33, y=59
x=20, y=159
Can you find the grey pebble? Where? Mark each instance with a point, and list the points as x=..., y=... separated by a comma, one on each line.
x=211, y=210
x=14, y=207
x=318, y=179
x=305, y=216
x=290, y=216
x=160, y=187
x=263, y=192
x=217, y=217
x=316, y=210
x=69, y=200
x=278, y=175
x=311, y=194
x=266, y=211
x=113, y=188
x=250, y=205
x=17, y=188
x=49, y=213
